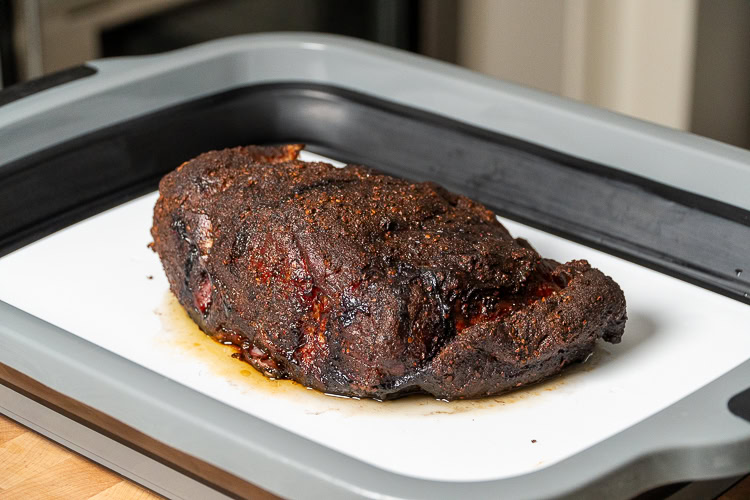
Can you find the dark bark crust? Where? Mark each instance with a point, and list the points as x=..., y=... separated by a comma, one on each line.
x=357, y=283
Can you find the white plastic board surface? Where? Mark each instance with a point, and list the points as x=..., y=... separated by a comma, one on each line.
x=98, y=280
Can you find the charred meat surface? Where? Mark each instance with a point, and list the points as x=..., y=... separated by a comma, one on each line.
x=357, y=283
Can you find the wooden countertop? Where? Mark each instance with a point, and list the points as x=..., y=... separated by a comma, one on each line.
x=740, y=491
x=33, y=467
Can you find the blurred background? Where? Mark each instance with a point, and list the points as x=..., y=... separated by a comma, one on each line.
x=680, y=63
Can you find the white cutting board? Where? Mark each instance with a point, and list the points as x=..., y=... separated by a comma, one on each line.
x=98, y=280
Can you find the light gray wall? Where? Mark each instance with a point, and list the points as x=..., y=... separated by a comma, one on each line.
x=631, y=56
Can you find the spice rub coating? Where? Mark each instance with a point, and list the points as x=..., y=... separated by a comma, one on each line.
x=358, y=283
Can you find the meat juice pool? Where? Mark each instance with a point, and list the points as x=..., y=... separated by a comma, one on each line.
x=182, y=335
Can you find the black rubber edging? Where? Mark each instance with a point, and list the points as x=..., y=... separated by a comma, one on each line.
x=31, y=87
x=694, y=238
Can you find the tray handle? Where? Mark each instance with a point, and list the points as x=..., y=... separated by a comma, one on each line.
x=739, y=404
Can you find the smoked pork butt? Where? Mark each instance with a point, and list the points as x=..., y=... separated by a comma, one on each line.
x=357, y=283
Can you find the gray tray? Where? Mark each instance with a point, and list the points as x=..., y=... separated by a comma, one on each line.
x=335, y=93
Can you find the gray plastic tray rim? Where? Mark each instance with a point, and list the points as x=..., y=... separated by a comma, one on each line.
x=696, y=438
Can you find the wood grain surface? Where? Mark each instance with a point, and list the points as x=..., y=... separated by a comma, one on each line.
x=740, y=491
x=33, y=467
x=189, y=465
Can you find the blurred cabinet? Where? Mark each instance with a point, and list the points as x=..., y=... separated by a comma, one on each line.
x=721, y=95
x=53, y=34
